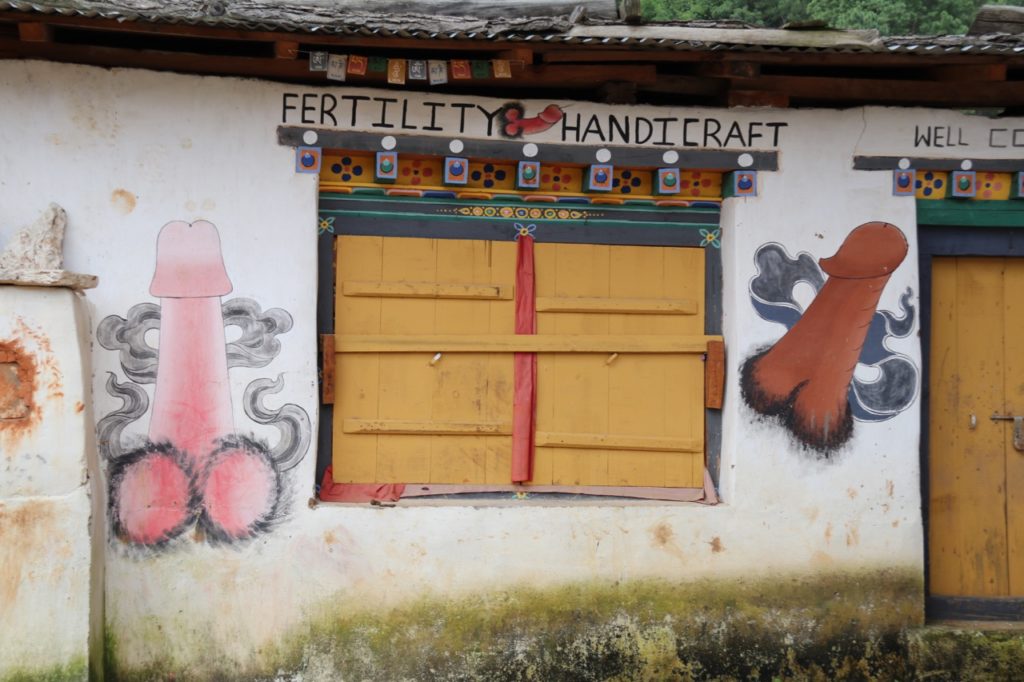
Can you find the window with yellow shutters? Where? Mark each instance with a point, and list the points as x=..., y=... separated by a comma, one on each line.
x=424, y=346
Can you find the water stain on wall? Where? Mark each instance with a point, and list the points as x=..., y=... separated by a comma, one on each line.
x=24, y=529
x=123, y=201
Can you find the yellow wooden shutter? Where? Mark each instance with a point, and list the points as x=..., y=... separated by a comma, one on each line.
x=620, y=379
x=629, y=419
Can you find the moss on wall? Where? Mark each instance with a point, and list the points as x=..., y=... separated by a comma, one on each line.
x=74, y=671
x=827, y=627
x=946, y=654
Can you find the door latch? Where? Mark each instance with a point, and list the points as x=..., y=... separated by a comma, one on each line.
x=1018, y=429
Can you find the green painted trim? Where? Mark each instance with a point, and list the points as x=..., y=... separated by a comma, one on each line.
x=962, y=213
x=630, y=205
x=624, y=224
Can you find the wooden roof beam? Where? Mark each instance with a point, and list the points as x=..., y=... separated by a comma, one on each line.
x=879, y=91
x=322, y=40
x=968, y=72
x=539, y=76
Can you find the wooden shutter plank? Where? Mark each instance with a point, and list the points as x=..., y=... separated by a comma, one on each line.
x=684, y=415
x=981, y=493
x=606, y=441
x=406, y=380
x=354, y=456
x=714, y=375
x=432, y=427
x=426, y=290
x=944, y=574
x=512, y=343
x=578, y=383
x=1013, y=354
x=624, y=306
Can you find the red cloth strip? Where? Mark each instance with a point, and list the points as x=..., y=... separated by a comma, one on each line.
x=358, y=492
x=524, y=404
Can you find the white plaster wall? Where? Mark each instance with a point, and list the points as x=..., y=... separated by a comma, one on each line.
x=127, y=151
x=46, y=504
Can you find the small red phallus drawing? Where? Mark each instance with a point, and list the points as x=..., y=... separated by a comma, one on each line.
x=804, y=378
x=515, y=123
x=194, y=468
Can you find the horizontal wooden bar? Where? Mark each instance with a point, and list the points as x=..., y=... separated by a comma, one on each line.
x=522, y=343
x=427, y=490
x=964, y=213
x=429, y=428
x=975, y=608
x=948, y=164
x=626, y=306
x=426, y=290
x=602, y=441
x=634, y=155
x=868, y=90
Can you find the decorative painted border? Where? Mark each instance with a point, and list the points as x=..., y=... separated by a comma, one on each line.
x=653, y=157
x=363, y=214
x=922, y=163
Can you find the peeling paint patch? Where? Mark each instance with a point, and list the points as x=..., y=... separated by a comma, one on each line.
x=18, y=412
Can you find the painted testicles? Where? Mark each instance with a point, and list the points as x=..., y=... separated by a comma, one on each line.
x=194, y=465
x=807, y=377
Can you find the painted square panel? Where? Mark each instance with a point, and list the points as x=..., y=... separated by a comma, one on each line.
x=307, y=159
x=528, y=175
x=386, y=168
x=904, y=182
x=668, y=181
x=599, y=177
x=964, y=184
x=456, y=170
x=744, y=183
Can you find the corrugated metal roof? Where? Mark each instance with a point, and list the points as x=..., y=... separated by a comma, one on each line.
x=312, y=17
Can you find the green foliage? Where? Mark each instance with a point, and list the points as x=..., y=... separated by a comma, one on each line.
x=891, y=17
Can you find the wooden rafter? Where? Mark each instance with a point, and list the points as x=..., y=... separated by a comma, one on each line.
x=620, y=74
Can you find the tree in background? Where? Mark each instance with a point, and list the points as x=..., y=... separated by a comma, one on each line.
x=891, y=17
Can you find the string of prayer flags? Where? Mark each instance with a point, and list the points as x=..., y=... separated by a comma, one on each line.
x=336, y=67
x=318, y=61
x=461, y=69
x=480, y=68
x=357, y=65
x=438, y=70
x=398, y=71
x=502, y=68
x=417, y=70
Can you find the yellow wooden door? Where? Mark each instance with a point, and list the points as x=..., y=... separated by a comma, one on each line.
x=425, y=339
x=976, y=476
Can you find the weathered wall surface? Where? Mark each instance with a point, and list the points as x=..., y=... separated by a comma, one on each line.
x=46, y=505
x=818, y=541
